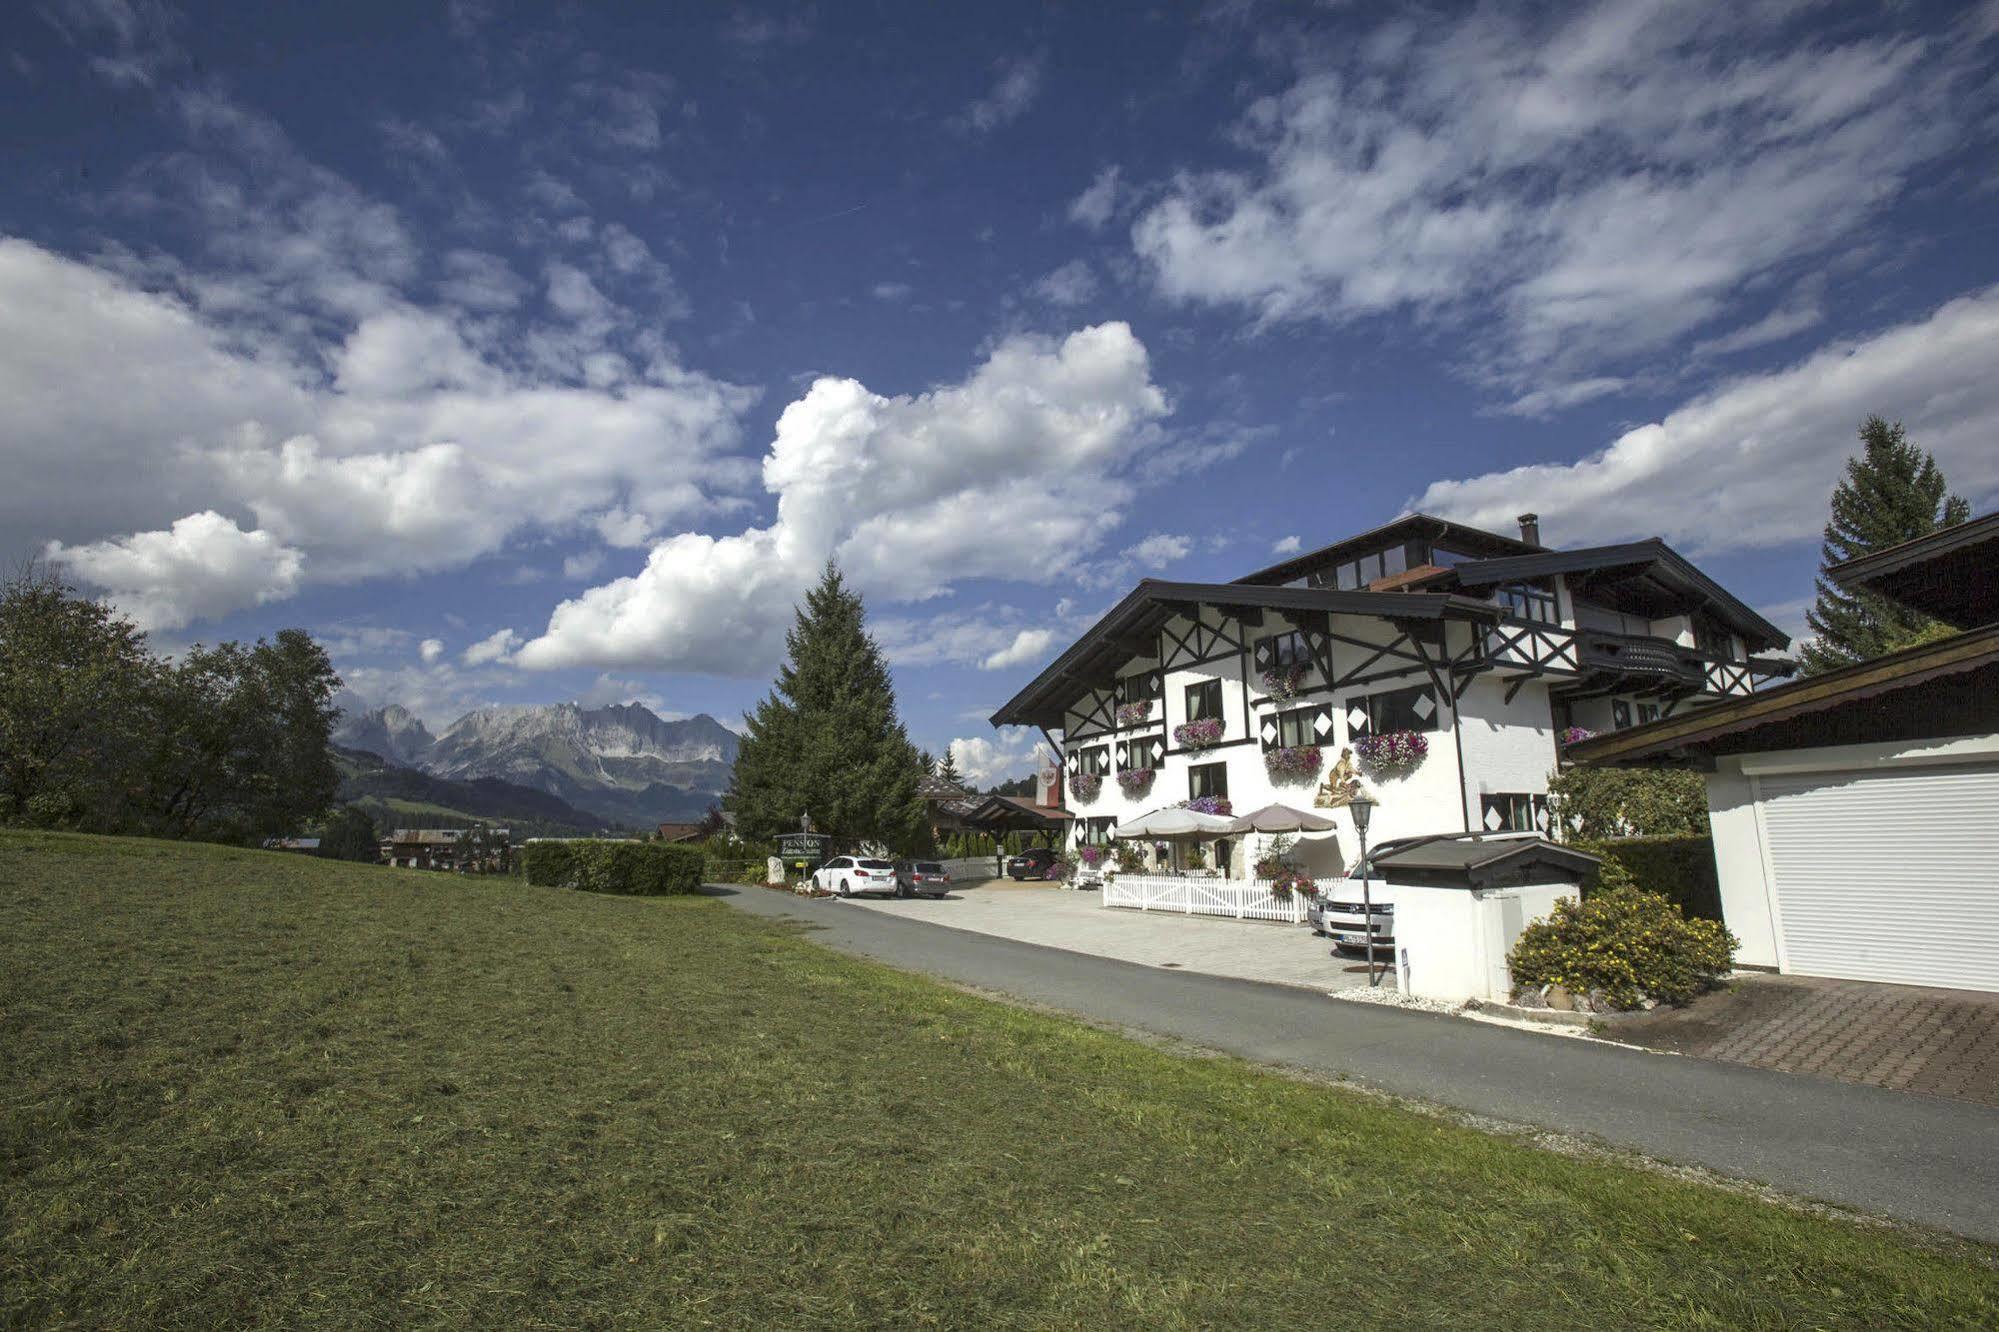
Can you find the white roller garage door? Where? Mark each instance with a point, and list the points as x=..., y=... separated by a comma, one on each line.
x=1888, y=875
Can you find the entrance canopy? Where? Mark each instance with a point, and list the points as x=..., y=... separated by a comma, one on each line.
x=1005, y=814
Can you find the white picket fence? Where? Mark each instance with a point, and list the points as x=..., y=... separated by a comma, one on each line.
x=1242, y=899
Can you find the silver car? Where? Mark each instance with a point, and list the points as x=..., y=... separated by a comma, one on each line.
x=921, y=878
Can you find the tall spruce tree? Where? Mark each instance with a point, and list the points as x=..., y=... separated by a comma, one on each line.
x=1892, y=492
x=826, y=741
x=947, y=768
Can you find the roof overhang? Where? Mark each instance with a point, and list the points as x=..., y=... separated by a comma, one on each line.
x=1951, y=575
x=1409, y=525
x=1652, y=560
x=1690, y=736
x=1131, y=627
x=1011, y=814
x=1470, y=860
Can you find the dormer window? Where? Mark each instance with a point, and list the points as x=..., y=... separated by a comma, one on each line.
x=1528, y=601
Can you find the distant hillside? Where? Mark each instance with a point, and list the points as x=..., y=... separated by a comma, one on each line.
x=622, y=763
x=403, y=797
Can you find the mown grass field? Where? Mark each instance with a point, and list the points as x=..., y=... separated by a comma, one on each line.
x=240, y=1087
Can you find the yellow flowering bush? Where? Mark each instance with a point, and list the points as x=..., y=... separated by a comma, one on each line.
x=1623, y=946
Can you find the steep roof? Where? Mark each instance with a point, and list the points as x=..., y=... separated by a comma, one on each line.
x=1478, y=860
x=1857, y=689
x=1122, y=631
x=1951, y=575
x=1650, y=564
x=1474, y=540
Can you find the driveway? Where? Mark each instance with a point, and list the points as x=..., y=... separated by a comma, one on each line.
x=1915, y=1158
x=1056, y=918
x=1939, y=1042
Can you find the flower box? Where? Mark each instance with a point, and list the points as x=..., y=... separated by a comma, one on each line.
x=1392, y=753
x=1573, y=735
x=1297, y=764
x=1132, y=714
x=1092, y=856
x=1135, y=781
x=1208, y=805
x=1284, y=682
x=1086, y=786
x=1198, y=734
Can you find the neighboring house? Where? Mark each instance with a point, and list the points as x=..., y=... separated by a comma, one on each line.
x=679, y=832
x=306, y=845
x=1486, y=646
x=1856, y=813
x=438, y=848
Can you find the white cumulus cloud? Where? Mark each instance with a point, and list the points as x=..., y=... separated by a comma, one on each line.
x=900, y=491
x=431, y=649
x=1027, y=646
x=497, y=646
x=203, y=565
x=1011, y=751
x=1754, y=462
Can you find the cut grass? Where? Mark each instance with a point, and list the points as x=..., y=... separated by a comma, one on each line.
x=243, y=1087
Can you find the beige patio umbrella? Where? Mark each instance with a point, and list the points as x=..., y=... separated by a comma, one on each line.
x=1282, y=819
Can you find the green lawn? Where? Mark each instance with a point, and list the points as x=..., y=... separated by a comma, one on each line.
x=242, y=1087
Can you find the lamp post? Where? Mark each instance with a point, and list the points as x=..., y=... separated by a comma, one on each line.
x=1363, y=810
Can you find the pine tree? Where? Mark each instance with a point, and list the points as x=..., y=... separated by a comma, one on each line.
x=1892, y=492
x=948, y=768
x=826, y=741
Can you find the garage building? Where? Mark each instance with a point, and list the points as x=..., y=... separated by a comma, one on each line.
x=1856, y=814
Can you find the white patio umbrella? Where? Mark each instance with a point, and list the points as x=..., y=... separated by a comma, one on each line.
x=1282, y=819
x=1174, y=822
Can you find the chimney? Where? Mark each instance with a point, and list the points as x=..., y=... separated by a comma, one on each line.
x=1530, y=528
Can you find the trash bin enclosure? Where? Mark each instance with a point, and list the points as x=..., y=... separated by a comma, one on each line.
x=1461, y=901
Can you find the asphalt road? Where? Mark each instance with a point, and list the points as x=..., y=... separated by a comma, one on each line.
x=1916, y=1158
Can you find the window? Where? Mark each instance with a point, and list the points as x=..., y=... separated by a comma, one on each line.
x=1620, y=714
x=1529, y=602
x=1712, y=636
x=1204, y=700
x=1513, y=811
x=1648, y=712
x=1208, y=779
x=1294, y=728
x=1095, y=832
x=1094, y=761
x=1142, y=685
x=1413, y=709
x=1285, y=650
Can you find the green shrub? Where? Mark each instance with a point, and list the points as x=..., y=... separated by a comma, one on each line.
x=636, y=869
x=1625, y=945
x=548, y=864
x=1679, y=869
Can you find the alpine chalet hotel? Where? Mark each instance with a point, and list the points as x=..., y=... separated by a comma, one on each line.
x=1440, y=664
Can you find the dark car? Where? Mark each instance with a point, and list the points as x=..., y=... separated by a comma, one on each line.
x=921, y=878
x=1034, y=863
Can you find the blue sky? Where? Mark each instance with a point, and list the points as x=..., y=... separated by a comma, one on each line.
x=527, y=354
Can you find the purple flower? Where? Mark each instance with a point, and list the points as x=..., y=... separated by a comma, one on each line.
x=1294, y=764
x=1284, y=681
x=1135, y=781
x=1392, y=752
x=1086, y=786
x=1208, y=805
x=1198, y=734
x=1131, y=714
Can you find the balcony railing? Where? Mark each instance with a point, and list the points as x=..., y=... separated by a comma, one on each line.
x=1631, y=655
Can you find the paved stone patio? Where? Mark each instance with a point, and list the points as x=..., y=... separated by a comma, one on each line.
x=1057, y=918
x=1903, y=1037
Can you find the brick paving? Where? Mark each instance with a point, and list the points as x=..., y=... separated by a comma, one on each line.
x=1939, y=1042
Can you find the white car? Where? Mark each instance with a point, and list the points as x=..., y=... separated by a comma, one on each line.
x=847, y=875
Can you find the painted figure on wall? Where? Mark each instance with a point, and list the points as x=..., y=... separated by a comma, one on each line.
x=1340, y=784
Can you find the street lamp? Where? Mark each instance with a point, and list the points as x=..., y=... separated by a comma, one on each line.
x=1363, y=809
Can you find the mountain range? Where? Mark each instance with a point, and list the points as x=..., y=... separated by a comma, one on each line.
x=622, y=763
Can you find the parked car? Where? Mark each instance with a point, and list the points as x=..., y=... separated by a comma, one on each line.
x=921, y=878
x=1037, y=862
x=1341, y=916
x=847, y=875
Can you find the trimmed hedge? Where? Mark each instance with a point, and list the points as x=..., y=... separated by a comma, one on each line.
x=1679, y=869
x=633, y=869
